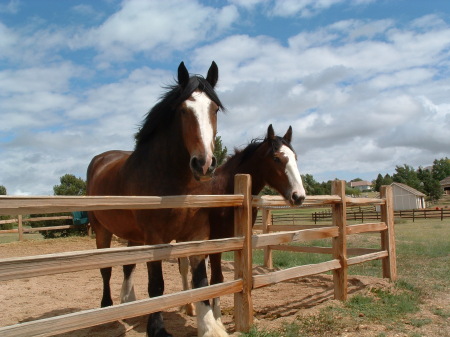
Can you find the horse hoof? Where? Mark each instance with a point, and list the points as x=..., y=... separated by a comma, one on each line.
x=160, y=333
x=105, y=304
x=188, y=309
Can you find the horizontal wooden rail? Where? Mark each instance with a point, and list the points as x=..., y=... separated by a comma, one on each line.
x=9, y=221
x=295, y=272
x=322, y=250
x=366, y=227
x=262, y=240
x=49, y=264
x=303, y=249
x=38, y=229
x=282, y=228
x=88, y=318
x=32, y=205
x=269, y=201
x=364, y=201
x=367, y=257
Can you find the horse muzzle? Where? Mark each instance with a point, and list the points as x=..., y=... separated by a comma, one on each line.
x=203, y=169
x=297, y=199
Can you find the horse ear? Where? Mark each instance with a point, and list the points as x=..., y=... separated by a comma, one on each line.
x=270, y=133
x=183, y=75
x=213, y=74
x=288, y=136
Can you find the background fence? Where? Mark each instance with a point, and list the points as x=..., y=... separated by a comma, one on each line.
x=242, y=244
x=353, y=214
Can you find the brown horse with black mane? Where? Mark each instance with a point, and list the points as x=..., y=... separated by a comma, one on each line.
x=173, y=154
x=271, y=162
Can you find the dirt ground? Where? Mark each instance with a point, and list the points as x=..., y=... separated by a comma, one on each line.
x=46, y=296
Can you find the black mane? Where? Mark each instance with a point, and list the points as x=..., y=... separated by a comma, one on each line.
x=252, y=147
x=162, y=113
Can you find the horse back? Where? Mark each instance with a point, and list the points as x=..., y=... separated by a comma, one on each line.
x=103, y=174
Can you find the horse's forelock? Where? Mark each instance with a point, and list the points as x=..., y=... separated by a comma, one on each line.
x=164, y=110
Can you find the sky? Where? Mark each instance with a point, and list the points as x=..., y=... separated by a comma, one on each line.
x=364, y=84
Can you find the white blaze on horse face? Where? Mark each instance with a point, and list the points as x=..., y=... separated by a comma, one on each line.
x=292, y=172
x=200, y=106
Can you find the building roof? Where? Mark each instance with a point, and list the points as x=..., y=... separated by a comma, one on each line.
x=360, y=183
x=409, y=189
x=445, y=181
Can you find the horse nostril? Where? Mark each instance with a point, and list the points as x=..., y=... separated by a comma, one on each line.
x=213, y=163
x=197, y=164
x=298, y=200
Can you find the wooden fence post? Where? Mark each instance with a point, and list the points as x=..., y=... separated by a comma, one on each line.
x=20, y=227
x=243, y=305
x=340, y=242
x=388, y=236
x=266, y=222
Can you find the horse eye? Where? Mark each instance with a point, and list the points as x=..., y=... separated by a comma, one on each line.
x=277, y=160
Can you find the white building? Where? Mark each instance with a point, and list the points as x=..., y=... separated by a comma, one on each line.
x=406, y=197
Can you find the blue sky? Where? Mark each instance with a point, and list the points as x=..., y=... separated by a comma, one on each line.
x=364, y=84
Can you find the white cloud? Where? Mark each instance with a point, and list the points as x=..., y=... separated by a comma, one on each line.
x=361, y=95
x=304, y=8
x=12, y=7
x=155, y=28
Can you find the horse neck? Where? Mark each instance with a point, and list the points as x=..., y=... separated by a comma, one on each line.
x=164, y=156
x=235, y=165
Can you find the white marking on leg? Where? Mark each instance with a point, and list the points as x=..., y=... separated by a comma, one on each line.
x=127, y=292
x=217, y=312
x=188, y=308
x=206, y=323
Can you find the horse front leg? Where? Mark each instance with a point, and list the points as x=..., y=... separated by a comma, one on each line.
x=127, y=293
x=206, y=323
x=183, y=267
x=155, y=324
x=103, y=240
x=216, y=277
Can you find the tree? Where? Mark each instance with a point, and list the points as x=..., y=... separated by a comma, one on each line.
x=406, y=175
x=429, y=185
x=4, y=217
x=312, y=187
x=378, y=182
x=267, y=190
x=387, y=180
x=220, y=152
x=70, y=185
x=441, y=168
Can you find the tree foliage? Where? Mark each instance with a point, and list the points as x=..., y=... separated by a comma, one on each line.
x=4, y=217
x=406, y=175
x=69, y=185
x=380, y=181
x=441, y=168
x=220, y=152
x=423, y=179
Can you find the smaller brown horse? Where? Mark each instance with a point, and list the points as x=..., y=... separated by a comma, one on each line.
x=271, y=162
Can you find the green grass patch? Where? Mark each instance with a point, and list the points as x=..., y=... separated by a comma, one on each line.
x=381, y=305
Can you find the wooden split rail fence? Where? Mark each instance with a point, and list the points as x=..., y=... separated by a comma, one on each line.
x=21, y=230
x=243, y=243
